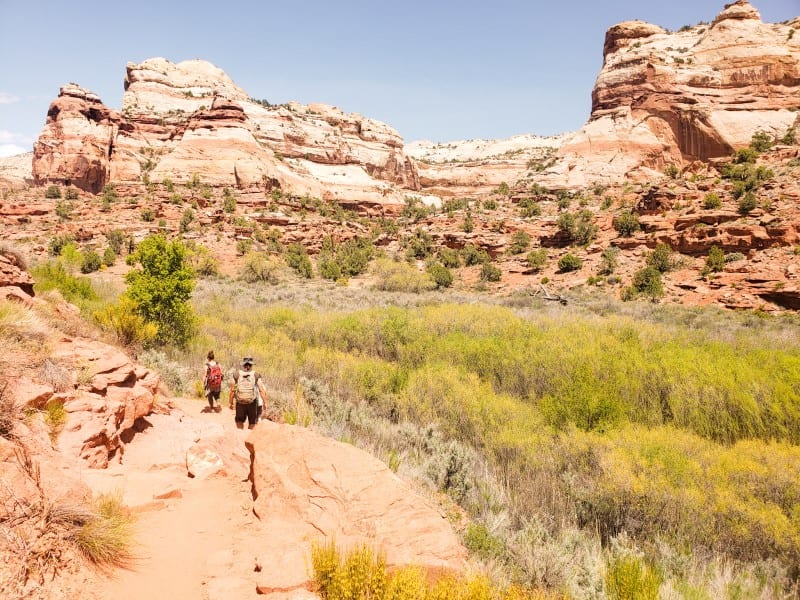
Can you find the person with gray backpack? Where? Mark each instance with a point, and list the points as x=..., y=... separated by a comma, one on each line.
x=246, y=388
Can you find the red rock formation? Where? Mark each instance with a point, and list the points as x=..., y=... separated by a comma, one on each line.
x=77, y=141
x=663, y=98
x=187, y=119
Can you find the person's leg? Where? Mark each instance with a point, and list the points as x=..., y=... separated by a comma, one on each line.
x=252, y=415
x=210, y=398
x=241, y=415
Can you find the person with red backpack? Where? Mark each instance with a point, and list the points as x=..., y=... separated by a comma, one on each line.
x=212, y=382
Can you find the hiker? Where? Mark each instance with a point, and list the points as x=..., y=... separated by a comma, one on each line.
x=245, y=389
x=212, y=382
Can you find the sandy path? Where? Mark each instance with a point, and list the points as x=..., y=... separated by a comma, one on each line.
x=188, y=546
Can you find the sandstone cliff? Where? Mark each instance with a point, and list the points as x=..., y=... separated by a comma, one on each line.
x=666, y=98
x=178, y=120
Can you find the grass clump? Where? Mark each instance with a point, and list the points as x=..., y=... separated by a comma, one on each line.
x=106, y=537
x=399, y=276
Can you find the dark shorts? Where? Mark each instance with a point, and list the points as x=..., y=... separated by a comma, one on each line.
x=213, y=397
x=247, y=411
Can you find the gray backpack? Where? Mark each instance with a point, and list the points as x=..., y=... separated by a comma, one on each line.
x=246, y=387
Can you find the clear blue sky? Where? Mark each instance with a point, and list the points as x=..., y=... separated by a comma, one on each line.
x=439, y=70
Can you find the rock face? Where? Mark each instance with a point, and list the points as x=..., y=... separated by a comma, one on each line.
x=186, y=119
x=308, y=487
x=667, y=97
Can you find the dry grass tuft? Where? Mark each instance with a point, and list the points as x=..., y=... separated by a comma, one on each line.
x=106, y=537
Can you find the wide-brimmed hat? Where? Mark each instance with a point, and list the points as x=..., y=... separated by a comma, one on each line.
x=247, y=360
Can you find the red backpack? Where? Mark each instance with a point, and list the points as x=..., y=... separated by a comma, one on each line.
x=214, y=378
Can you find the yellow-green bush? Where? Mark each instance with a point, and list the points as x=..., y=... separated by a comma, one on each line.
x=629, y=578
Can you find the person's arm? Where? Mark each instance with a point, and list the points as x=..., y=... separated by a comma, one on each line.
x=262, y=390
x=231, y=393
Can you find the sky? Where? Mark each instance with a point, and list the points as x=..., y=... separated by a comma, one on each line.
x=438, y=70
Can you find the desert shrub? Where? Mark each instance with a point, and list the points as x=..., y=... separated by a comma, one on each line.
x=790, y=137
x=647, y=282
x=160, y=288
x=90, y=262
x=661, y=258
x=579, y=226
x=715, y=262
x=58, y=242
x=490, y=204
x=441, y=275
x=744, y=156
x=148, y=215
x=519, y=242
x=53, y=276
x=712, y=201
x=672, y=171
x=449, y=257
x=186, y=220
x=130, y=328
x=52, y=192
x=469, y=224
x=734, y=257
x=258, y=267
x=414, y=209
x=627, y=223
x=747, y=203
x=480, y=542
x=761, y=141
x=297, y=259
x=106, y=537
x=503, y=189
x=63, y=210
x=109, y=194
x=473, y=255
x=109, y=257
x=529, y=208
x=537, y=259
x=419, y=245
x=490, y=272
x=115, y=237
x=396, y=276
x=202, y=261
x=71, y=194
x=228, y=201
x=608, y=260
x=569, y=262
x=628, y=577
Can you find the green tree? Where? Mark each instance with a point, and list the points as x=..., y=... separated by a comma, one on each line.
x=627, y=223
x=716, y=259
x=160, y=288
x=661, y=258
x=297, y=258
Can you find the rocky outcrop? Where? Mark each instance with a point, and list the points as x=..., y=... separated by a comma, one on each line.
x=189, y=119
x=76, y=144
x=668, y=97
x=103, y=393
x=308, y=487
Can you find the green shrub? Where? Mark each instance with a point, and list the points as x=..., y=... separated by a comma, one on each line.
x=202, y=261
x=109, y=257
x=790, y=137
x=90, y=262
x=537, y=259
x=569, y=262
x=672, y=171
x=228, y=201
x=734, y=257
x=441, y=275
x=160, y=288
x=258, y=267
x=490, y=204
x=115, y=237
x=414, y=209
x=661, y=258
x=626, y=223
x=503, y=189
x=52, y=276
x=52, y=192
x=169, y=186
x=490, y=272
x=346, y=259
x=744, y=156
x=449, y=257
x=761, y=141
x=647, y=282
x=394, y=276
x=481, y=543
x=58, y=242
x=419, y=245
x=473, y=255
x=747, y=203
x=129, y=328
x=629, y=578
x=608, y=259
x=578, y=226
x=519, y=242
x=529, y=208
x=148, y=215
x=712, y=201
x=715, y=262
x=297, y=259
x=109, y=194
x=63, y=210
x=70, y=194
